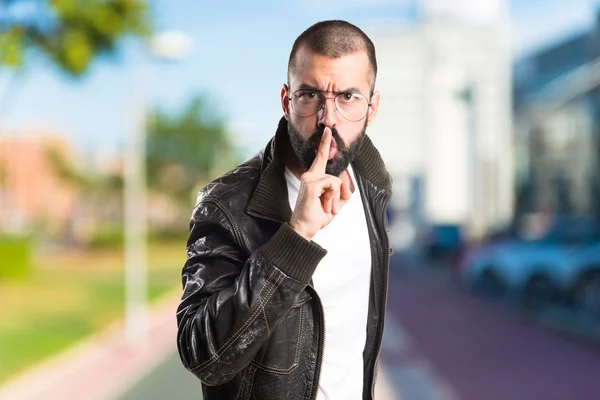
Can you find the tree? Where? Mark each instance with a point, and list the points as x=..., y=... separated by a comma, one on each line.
x=100, y=199
x=185, y=150
x=70, y=33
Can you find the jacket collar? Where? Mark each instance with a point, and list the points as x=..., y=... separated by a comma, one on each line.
x=270, y=199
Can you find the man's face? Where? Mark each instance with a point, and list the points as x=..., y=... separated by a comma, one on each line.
x=348, y=74
x=342, y=154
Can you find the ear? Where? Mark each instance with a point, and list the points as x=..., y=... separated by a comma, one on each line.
x=285, y=101
x=373, y=108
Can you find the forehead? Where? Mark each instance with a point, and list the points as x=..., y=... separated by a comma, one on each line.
x=332, y=74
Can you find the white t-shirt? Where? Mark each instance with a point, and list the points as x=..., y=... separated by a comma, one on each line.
x=342, y=281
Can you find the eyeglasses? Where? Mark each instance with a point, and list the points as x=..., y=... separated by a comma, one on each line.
x=307, y=102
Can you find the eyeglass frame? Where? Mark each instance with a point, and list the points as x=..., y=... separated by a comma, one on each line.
x=324, y=101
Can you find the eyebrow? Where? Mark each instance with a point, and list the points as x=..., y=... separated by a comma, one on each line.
x=305, y=86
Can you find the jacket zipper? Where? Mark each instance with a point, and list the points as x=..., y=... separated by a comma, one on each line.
x=263, y=217
x=321, y=348
x=387, y=267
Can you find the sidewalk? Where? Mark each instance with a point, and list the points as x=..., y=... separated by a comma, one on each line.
x=101, y=367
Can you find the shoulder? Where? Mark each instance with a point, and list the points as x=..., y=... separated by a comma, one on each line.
x=234, y=188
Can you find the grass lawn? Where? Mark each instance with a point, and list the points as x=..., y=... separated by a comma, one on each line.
x=70, y=296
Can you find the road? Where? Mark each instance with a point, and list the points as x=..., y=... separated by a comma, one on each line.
x=169, y=381
x=486, y=349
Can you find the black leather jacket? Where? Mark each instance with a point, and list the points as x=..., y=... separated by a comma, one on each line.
x=250, y=323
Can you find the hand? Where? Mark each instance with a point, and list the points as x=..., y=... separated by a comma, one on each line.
x=321, y=196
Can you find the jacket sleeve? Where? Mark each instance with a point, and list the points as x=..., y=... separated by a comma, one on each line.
x=231, y=301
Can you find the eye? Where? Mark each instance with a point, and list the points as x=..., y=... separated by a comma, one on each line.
x=348, y=97
x=307, y=95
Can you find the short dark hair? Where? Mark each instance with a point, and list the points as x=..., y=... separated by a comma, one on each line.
x=335, y=39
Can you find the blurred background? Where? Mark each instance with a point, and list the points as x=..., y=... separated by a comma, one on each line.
x=114, y=113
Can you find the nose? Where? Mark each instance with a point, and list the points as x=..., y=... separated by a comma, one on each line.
x=327, y=113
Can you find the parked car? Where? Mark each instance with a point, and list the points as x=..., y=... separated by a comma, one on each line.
x=563, y=264
x=471, y=272
x=443, y=242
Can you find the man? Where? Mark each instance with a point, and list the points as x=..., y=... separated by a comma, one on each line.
x=282, y=304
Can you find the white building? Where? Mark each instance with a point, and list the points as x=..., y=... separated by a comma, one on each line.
x=445, y=113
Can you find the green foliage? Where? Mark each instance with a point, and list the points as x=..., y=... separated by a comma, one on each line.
x=72, y=33
x=107, y=236
x=68, y=297
x=185, y=149
x=65, y=170
x=90, y=183
x=15, y=257
x=170, y=233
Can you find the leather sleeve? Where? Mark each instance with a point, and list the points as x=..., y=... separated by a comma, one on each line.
x=230, y=301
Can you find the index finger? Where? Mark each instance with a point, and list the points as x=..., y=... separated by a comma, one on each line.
x=320, y=162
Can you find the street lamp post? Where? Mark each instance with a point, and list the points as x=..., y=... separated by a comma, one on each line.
x=467, y=95
x=167, y=45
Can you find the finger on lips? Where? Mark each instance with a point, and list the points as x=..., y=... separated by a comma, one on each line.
x=333, y=191
x=320, y=163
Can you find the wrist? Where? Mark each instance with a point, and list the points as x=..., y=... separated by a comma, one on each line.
x=301, y=232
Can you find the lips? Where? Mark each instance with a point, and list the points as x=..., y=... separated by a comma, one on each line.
x=332, y=151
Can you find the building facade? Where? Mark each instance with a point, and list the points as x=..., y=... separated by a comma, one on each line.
x=31, y=190
x=557, y=120
x=446, y=116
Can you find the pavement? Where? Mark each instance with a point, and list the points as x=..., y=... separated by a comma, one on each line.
x=168, y=380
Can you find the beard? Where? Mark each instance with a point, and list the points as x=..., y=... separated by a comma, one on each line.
x=305, y=150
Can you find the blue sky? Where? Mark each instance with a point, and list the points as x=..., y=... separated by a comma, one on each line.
x=239, y=57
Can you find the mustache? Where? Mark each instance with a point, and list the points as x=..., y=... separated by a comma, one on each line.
x=315, y=138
